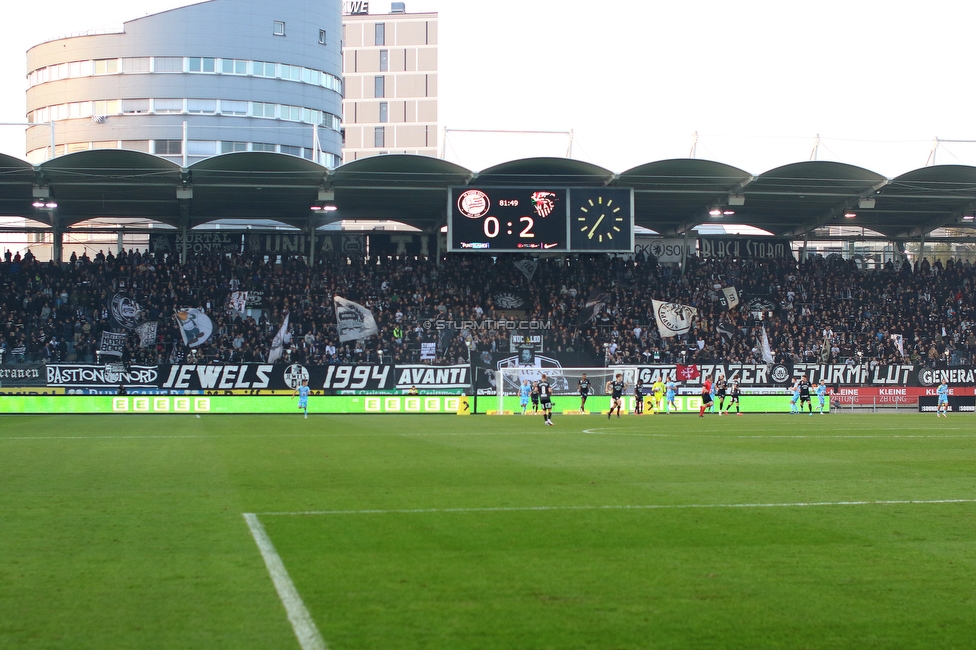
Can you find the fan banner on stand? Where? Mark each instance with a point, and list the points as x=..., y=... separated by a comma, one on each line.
x=113, y=344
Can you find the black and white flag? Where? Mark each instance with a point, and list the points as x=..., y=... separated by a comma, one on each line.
x=353, y=320
x=729, y=298
x=147, y=333
x=673, y=319
x=727, y=330
x=594, y=304
x=279, y=341
x=237, y=301
x=527, y=267
x=113, y=344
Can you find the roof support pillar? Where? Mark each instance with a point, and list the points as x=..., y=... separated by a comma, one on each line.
x=57, y=239
x=311, y=242
x=684, y=252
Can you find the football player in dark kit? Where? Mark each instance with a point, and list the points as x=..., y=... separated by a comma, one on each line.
x=805, y=395
x=584, y=391
x=545, y=399
x=734, y=398
x=720, y=388
x=616, y=390
x=639, y=397
x=534, y=395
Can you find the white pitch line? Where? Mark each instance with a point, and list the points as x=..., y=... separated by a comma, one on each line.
x=309, y=637
x=665, y=506
x=618, y=432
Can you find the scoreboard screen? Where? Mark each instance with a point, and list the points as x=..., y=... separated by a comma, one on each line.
x=537, y=219
x=507, y=220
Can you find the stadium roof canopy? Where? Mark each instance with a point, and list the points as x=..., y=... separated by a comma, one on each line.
x=671, y=196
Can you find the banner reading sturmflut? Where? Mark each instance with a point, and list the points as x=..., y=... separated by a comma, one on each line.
x=673, y=319
x=353, y=320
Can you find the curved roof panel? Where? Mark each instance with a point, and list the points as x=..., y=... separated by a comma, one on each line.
x=556, y=172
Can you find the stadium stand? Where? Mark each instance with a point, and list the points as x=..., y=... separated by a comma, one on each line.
x=819, y=309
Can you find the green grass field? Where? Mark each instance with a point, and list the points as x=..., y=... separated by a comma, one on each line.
x=490, y=532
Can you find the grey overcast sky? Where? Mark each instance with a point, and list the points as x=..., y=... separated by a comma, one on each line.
x=634, y=79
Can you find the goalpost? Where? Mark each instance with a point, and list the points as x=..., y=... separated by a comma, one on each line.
x=564, y=381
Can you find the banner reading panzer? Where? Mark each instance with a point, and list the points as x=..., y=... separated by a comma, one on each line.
x=752, y=248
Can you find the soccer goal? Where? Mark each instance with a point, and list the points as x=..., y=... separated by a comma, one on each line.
x=564, y=381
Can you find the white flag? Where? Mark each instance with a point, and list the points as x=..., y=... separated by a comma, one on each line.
x=899, y=343
x=195, y=326
x=278, y=343
x=113, y=343
x=673, y=319
x=767, y=352
x=238, y=301
x=731, y=297
x=353, y=320
x=147, y=333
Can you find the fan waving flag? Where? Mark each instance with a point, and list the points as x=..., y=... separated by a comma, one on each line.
x=353, y=320
x=730, y=298
x=673, y=319
x=278, y=343
x=686, y=373
x=195, y=326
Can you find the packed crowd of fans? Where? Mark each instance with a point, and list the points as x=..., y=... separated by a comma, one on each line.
x=598, y=308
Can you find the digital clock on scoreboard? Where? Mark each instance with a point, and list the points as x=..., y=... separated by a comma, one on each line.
x=507, y=220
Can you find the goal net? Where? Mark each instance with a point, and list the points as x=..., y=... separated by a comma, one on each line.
x=564, y=381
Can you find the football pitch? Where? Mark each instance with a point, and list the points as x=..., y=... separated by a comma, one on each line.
x=447, y=532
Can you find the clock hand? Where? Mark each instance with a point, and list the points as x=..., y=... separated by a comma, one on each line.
x=593, y=229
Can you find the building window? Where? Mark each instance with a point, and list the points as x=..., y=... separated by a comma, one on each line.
x=384, y=112
x=291, y=72
x=290, y=150
x=384, y=60
x=262, y=69
x=259, y=109
x=107, y=66
x=379, y=87
x=291, y=113
x=202, y=64
x=168, y=64
x=136, y=145
x=107, y=107
x=262, y=146
x=169, y=147
x=379, y=136
x=135, y=65
x=168, y=105
x=201, y=106
x=279, y=28
x=233, y=66
x=379, y=34
x=230, y=147
x=233, y=107
x=135, y=106
x=322, y=37
x=201, y=148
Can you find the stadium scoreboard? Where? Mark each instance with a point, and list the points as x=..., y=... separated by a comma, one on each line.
x=538, y=219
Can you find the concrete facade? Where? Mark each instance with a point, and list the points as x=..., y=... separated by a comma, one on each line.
x=390, y=72
x=244, y=75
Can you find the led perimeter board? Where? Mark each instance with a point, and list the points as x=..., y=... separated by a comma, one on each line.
x=537, y=219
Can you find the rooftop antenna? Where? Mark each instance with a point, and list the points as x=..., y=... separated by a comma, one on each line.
x=694, y=145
